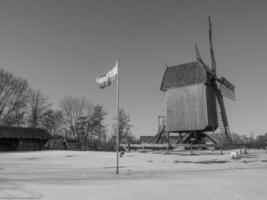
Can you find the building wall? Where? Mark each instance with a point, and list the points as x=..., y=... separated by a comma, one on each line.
x=29, y=145
x=212, y=111
x=8, y=145
x=190, y=108
x=21, y=144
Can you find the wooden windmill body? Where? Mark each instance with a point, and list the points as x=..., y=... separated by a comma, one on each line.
x=194, y=99
x=190, y=98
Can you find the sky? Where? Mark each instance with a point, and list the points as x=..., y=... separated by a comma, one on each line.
x=60, y=47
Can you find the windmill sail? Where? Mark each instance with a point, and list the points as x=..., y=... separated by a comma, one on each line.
x=204, y=65
x=197, y=53
x=227, y=89
x=213, y=62
x=222, y=118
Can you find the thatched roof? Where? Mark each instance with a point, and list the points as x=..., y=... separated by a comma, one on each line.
x=182, y=75
x=25, y=133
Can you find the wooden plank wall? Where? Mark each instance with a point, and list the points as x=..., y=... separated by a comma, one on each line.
x=212, y=110
x=187, y=108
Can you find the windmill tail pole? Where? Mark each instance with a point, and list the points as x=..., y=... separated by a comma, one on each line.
x=213, y=62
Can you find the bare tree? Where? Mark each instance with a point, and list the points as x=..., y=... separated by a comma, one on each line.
x=125, y=133
x=84, y=129
x=13, y=99
x=97, y=118
x=76, y=112
x=38, y=104
x=53, y=122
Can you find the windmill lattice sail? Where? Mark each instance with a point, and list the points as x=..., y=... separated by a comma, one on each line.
x=227, y=89
x=222, y=120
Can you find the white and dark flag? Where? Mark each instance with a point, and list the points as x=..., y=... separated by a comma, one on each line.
x=106, y=79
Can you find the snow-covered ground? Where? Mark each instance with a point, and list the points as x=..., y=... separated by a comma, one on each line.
x=73, y=175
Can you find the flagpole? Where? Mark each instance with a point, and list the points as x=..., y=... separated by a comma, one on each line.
x=118, y=121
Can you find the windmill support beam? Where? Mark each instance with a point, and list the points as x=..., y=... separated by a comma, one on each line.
x=210, y=138
x=195, y=137
x=159, y=136
x=181, y=137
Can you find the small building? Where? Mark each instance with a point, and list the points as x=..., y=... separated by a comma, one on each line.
x=22, y=139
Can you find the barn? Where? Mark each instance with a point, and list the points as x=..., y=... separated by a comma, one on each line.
x=190, y=98
x=22, y=139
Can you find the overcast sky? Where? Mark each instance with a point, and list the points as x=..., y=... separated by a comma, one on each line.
x=62, y=46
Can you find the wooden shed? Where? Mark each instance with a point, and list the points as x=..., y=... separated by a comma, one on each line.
x=22, y=139
x=190, y=98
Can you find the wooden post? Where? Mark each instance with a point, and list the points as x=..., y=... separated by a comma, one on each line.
x=221, y=150
x=99, y=132
x=168, y=138
x=191, y=148
x=158, y=124
x=166, y=122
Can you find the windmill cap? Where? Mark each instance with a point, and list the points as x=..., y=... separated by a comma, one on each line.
x=182, y=75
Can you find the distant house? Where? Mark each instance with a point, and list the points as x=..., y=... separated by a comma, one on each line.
x=146, y=139
x=22, y=139
x=151, y=139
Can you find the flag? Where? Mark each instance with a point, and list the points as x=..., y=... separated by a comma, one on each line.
x=107, y=78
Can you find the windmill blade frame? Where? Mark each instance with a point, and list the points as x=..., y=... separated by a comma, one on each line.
x=204, y=65
x=212, y=59
x=227, y=89
x=223, y=115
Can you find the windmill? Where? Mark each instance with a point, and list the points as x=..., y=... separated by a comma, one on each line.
x=194, y=97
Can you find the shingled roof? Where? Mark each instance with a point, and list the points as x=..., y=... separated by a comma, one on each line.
x=25, y=133
x=184, y=74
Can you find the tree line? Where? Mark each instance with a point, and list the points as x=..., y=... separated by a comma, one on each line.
x=259, y=141
x=77, y=118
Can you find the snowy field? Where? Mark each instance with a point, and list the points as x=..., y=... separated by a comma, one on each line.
x=73, y=175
